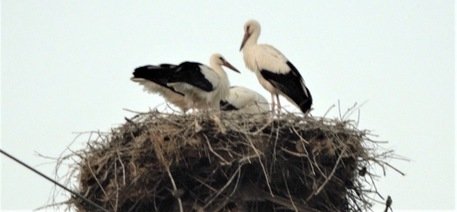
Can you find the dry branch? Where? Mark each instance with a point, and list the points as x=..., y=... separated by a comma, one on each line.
x=170, y=162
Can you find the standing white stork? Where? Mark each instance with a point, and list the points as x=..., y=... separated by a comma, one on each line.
x=201, y=85
x=155, y=78
x=244, y=100
x=274, y=71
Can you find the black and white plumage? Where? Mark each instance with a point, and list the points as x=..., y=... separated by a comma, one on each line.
x=155, y=78
x=273, y=70
x=244, y=100
x=201, y=85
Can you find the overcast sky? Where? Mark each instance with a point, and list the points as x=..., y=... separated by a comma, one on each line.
x=65, y=68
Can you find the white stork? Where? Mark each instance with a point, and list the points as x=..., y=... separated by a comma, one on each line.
x=201, y=85
x=244, y=100
x=154, y=79
x=274, y=71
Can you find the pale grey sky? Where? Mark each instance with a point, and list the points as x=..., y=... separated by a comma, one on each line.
x=65, y=67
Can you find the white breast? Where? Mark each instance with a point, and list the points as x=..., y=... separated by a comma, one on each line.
x=265, y=57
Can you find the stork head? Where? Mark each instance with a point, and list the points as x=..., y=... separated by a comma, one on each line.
x=219, y=60
x=251, y=32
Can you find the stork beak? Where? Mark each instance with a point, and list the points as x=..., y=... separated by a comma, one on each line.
x=245, y=38
x=228, y=65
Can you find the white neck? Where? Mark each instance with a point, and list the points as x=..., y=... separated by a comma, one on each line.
x=224, y=82
x=252, y=40
x=219, y=71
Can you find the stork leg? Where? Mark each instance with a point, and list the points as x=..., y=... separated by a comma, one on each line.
x=273, y=104
x=279, y=104
x=191, y=107
x=195, y=114
x=216, y=114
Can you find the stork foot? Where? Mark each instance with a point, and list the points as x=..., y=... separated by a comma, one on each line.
x=198, y=127
x=218, y=122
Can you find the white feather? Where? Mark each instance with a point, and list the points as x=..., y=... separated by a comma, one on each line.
x=206, y=99
x=265, y=57
x=176, y=99
x=247, y=100
x=259, y=57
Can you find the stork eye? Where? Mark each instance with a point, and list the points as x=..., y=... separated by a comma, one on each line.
x=221, y=58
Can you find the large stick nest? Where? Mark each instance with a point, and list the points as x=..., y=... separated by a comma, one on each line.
x=170, y=162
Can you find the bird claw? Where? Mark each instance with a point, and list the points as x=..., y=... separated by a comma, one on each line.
x=198, y=127
x=219, y=123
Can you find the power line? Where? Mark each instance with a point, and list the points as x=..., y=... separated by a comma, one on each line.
x=53, y=181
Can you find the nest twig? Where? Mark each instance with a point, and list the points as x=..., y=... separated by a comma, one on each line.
x=170, y=162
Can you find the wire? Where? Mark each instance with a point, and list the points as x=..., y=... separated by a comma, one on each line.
x=53, y=181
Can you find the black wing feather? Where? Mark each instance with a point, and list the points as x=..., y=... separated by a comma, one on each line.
x=158, y=74
x=290, y=84
x=190, y=73
x=226, y=106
